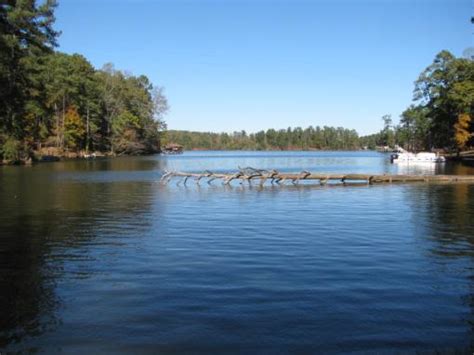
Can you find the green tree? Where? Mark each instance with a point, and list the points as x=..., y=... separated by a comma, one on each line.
x=414, y=132
x=70, y=80
x=388, y=135
x=26, y=35
x=446, y=89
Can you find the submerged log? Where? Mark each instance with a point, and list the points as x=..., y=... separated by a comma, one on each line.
x=262, y=176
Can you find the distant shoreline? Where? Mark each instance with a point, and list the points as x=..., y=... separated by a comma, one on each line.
x=277, y=150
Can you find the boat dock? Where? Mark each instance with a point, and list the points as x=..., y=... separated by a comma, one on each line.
x=467, y=156
x=262, y=176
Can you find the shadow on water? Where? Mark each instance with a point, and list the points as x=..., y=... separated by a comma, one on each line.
x=27, y=298
x=48, y=215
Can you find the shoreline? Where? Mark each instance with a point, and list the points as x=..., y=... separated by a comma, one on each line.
x=37, y=157
x=276, y=150
x=40, y=157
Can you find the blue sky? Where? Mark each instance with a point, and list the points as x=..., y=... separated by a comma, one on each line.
x=238, y=64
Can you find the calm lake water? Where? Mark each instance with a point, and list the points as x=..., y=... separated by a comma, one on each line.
x=97, y=257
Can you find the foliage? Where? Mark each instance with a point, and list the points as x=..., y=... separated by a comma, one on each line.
x=414, y=129
x=52, y=98
x=26, y=34
x=441, y=114
x=11, y=150
x=73, y=128
x=387, y=134
x=445, y=89
x=284, y=139
x=463, y=133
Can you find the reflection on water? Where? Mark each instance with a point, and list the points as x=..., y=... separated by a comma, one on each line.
x=440, y=208
x=47, y=220
x=97, y=256
x=445, y=214
x=420, y=168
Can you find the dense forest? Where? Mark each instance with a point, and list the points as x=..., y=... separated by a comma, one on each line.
x=58, y=103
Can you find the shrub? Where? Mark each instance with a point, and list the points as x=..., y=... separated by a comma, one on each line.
x=11, y=149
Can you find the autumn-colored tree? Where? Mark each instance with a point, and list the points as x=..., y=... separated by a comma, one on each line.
x=462, y=130
x=74, y=128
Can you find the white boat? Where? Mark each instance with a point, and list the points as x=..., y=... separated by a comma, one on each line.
x=423, y=157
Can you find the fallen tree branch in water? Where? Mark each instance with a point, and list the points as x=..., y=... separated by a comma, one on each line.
x=250, y=174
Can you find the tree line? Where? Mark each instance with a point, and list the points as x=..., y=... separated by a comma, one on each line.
x=59, y=101
x=440, y=117
x=284, y=139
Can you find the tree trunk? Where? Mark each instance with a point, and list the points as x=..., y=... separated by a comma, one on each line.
x=57, y=125
x=87, y=130
x=64, y=118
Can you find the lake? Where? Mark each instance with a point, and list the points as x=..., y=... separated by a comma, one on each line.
x=98, y=257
